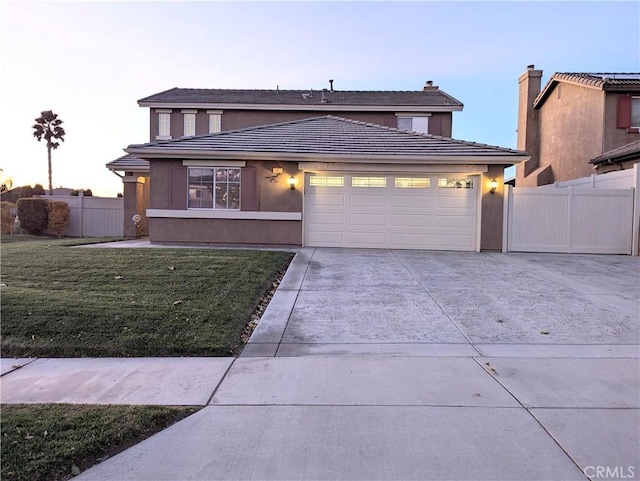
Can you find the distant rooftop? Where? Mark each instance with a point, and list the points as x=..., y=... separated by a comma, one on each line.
x=430, y=96
x=625, y=152
x=609, y=81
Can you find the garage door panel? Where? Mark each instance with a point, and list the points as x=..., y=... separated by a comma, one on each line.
x=366, y=200
x=359, y=219
x=367, y=239
x=411, y=241
x=320, y=199
x=454, y=221
x=411, y=220
x=326, y=218
x=397, y=216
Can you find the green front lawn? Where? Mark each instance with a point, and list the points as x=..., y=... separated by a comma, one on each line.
x=63, y=301
x=52, y=442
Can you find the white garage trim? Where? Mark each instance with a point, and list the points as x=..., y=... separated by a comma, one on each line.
x=391, y=168
x=381, y=210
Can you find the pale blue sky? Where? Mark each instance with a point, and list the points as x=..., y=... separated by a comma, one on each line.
x=91, y=61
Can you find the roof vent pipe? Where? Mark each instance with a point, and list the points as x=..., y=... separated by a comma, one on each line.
x=331, y=85
x=531, y=67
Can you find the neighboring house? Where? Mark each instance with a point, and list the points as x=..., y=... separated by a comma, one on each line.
x=574, y=120
x=317, y=178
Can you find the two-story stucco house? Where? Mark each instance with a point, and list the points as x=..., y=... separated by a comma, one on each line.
x=574, y=126
x=318, y=168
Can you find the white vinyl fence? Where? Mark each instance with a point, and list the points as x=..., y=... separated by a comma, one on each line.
x=93, y=216
x=594, y=215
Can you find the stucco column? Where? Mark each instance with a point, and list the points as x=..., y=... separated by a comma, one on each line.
x=492, y=204
x=133, y=202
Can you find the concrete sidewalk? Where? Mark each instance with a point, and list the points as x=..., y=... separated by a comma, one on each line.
x=394, y=365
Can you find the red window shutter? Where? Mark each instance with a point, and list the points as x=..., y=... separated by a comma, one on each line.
x=248, y=189
x=624, y=112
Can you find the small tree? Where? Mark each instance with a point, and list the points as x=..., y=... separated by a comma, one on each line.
x=49, y=127
x=6, y=182
x=58, y=215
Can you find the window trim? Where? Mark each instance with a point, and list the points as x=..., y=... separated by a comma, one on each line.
x=635, y=100
x=215, y=121
x=164, y=134
x=213, y=169
x=189, y=123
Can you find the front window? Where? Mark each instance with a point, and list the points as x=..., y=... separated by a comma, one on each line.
x=214, y=188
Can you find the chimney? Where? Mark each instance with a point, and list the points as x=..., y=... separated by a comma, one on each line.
x=324, y=99
x=429, y=86
x=530, y=83
x=331, y=85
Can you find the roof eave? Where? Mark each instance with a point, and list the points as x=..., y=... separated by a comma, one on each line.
x=328, y=107
x=506, y=158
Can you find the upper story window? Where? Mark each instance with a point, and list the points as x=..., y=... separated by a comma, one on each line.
x=214, y=188
x=635, y=112
x=164, y=124
x=215, y=121
x=189, y=122
x=413, y=124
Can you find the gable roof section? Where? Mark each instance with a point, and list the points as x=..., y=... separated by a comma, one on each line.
x=432, y=97
x=619, y=82
x=129, y=163
x=626, y=152
x=326, y=138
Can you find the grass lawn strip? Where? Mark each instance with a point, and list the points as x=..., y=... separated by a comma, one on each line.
x=63, y=302
x=55, y=441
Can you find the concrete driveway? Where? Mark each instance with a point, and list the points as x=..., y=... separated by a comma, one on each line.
x=358, y=301
x=399, y=365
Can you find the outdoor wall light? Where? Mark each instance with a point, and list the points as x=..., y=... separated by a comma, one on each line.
x=292, y=182
x=494, y=186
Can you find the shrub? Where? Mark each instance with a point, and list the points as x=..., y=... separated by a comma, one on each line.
x=7, y=219
x=33, y=215
x=58, y=216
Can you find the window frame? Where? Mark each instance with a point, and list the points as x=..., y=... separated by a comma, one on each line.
x=635, y=107
x=413, y=118
x=214, y=187
x=189, y=123
x=215, y=121
x=164, y=124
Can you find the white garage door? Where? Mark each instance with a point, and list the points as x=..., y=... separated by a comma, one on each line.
x=401, y=211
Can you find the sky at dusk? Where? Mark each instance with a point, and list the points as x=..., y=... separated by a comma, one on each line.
x=91, y=61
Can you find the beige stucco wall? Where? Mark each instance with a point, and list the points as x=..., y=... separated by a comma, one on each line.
x=571, y=131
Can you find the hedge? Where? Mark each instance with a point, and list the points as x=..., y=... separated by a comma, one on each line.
x=59, y=214
x=33, y=215
x=7, y=219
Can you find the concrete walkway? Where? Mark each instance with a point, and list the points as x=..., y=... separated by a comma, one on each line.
x=394, y=365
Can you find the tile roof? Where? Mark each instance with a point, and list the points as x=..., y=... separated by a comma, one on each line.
x=129, y=162
x=328, y=137
x=429, y=97
x=626, y=152
x=621, y=82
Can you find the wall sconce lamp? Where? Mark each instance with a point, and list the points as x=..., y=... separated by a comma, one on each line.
x=494, y=186
x=292, y=182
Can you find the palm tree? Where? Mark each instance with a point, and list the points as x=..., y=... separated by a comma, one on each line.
x=48, y=126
